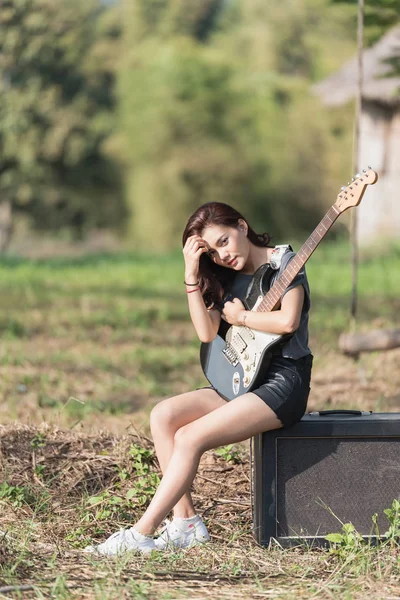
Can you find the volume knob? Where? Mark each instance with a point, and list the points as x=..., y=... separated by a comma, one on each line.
x=246, y=380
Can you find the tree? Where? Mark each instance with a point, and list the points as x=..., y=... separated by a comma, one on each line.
x=379, y=16
x=225, y=115
x=56, y=114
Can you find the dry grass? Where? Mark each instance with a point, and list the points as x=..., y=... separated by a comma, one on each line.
x=38, y=551
x=86, y=352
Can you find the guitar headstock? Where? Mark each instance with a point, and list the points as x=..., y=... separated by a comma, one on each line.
x=351, y=194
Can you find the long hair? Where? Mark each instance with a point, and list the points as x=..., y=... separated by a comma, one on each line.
x=214, y=278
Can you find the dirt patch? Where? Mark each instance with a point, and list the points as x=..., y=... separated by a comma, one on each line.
x=370, y=383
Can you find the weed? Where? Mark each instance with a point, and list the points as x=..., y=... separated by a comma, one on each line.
x=109, y=506
x=393, y=516
x=78, y=537
x=347, y=542
x=350, y=540
x=39, y=441
x=144, y=489
x=142, y=458
x=147, y=480
x=229, y=453
x=112, y=503
x=59, y=588
x=138, y=589
x=39, y=470
x=15, y=495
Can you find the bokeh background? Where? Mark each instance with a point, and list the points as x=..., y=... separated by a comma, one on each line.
x=118, y=119
x=126, y=115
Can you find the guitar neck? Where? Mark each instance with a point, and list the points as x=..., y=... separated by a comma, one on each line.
x=273, y=296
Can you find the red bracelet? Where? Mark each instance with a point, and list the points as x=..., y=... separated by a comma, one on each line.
x=195, y=290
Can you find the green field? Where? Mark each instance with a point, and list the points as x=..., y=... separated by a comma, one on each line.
x=88, y=346
x=111, y=334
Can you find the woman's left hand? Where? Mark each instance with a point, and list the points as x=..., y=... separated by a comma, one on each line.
x=233, y=312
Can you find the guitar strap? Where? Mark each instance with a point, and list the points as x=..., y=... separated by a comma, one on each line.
x=276, y=256
x=269, y=274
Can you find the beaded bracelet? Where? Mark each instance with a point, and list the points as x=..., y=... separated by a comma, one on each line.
x=197, y=283
x=195, y=290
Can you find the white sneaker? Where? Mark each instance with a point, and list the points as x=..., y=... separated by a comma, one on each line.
x=124, y=540
x=182, y=533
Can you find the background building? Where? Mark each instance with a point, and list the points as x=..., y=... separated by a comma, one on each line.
x=379, y=212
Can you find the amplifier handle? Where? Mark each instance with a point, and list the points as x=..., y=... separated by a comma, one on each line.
x=358, y=413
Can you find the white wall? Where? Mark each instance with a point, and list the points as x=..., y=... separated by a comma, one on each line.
x=379, y=211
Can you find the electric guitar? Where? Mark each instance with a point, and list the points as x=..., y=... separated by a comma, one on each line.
x=236, y=360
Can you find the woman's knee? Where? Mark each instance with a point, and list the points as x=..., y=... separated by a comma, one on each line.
x=163, y=416
x=188, y=439
x=160, y=416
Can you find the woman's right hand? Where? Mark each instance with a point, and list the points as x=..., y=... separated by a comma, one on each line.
x=195, y=246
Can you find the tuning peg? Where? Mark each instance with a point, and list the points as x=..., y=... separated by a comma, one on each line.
x=369, y=167
x=364, y=171
x=358, y=174
x=342, y=188
x=352, y=179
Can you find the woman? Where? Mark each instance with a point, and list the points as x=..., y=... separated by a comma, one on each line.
x=221, y=253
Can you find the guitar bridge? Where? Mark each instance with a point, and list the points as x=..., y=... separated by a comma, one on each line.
x=230, y=355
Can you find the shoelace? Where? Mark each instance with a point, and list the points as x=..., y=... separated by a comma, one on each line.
x=165, y=527
x=121, y=533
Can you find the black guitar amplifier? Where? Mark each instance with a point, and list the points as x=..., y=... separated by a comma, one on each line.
x=332, y=467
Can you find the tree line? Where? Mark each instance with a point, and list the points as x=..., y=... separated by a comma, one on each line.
x=131, y=114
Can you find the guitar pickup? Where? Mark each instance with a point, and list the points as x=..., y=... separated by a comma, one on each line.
x=239, y=343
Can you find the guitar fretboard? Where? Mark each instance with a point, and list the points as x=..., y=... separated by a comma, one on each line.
x=273, y=296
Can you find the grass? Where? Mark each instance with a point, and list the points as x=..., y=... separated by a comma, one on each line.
x=90, y=345
x=93, y=335
x=92, y=483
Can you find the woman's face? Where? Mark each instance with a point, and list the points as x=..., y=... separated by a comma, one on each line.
x=227, y=246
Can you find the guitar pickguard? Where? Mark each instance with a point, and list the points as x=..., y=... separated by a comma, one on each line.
x=250, y=346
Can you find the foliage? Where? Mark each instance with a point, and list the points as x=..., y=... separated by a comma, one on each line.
x=55, y=108
x=229, y=453
x=18, y=496
x=379, y=16
x=348, y=541
x=111, y=504
x=147, y=480
x=226, y=117
x=22, y=496
x=141, y=111
x=393, y=516
x=351, y=541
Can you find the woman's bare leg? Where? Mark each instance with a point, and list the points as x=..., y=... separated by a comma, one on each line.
x=234, y=422
x=170, y=415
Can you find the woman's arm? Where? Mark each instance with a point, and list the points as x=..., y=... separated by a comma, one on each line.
x=284, y=320
x=206, y=322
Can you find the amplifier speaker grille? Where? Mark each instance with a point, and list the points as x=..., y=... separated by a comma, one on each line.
x=354, y=478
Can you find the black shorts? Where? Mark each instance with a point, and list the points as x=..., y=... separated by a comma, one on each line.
x=286, y=388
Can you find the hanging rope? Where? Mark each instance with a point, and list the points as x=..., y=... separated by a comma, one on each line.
x=356, y=159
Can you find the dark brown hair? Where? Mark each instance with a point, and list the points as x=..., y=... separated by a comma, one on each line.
x=212, y=277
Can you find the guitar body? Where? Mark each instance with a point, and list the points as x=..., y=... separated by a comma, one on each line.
x=236, y=361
